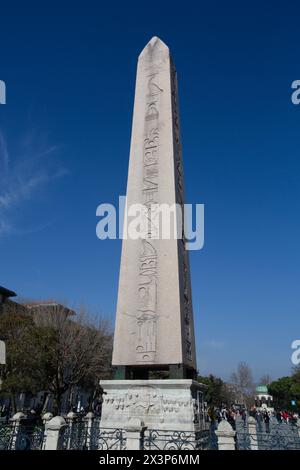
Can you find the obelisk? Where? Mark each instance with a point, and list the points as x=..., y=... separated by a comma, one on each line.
x=154, y=323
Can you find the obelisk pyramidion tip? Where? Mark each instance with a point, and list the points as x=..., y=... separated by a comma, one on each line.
x=153, y=47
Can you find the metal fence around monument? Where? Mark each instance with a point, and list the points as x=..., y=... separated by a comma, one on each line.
x=22, y=437
x=84, y=434
x=81, y=435
x=178, y=440
x=279, y=436
x=6, y=436
x=30, y=437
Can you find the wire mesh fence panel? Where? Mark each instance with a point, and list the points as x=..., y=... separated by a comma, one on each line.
x=273, y=436
x=21, y=437
x=6, y=436
x=30, y=437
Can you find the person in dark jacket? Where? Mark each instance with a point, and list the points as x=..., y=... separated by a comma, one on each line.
x=267, y=421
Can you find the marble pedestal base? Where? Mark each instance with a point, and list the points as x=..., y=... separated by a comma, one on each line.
x=156, y=404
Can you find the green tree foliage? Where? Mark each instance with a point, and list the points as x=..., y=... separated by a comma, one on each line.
x=28, y=354
x=286, y=389
x=214, y=393
x=53, y=351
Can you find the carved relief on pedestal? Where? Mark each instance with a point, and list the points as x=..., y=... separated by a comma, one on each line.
x=150, y=403
x=143, y=401
x=175, y=405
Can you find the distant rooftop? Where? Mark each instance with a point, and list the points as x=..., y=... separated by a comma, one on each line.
x=261, y=389
x=6, y=292
x=48, y=304
x=35, y=303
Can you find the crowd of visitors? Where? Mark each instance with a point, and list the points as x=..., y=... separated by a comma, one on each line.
x=262, y=416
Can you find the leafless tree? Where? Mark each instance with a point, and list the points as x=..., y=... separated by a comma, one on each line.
x=229, y=394
x=265, y=379
x=243, y=383
x=80, y=352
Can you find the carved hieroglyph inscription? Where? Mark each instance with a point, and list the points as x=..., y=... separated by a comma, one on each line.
x=183, y=254
x=147, y=311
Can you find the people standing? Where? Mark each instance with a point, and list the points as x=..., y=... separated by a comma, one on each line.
x=267, y=421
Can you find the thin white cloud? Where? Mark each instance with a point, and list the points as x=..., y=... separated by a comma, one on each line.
x=19, y=189
x=21, y=176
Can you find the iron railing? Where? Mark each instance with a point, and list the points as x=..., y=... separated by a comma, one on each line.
x=276, y=437
x=30, y=437
x=82, y=435
x=6, y=436
x=21, y=437
x=87, y=434
x=177, y=440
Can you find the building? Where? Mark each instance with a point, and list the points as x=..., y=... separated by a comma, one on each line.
x=7, y=305
x=5, y=294
x=263, y=400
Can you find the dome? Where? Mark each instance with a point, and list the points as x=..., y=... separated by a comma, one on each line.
x=261, y=389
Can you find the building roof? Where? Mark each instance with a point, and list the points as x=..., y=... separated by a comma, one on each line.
x=261, y=389
x=6, y=292
x=48, y=305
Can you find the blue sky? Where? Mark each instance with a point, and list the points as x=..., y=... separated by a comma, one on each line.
x=64, y=147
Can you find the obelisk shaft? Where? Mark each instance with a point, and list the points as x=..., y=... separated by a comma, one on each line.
x=154, y=323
